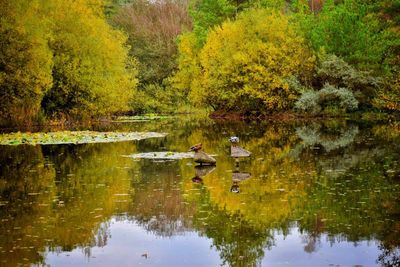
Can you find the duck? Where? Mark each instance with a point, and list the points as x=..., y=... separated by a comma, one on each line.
x=202, y=157
x=236, y=150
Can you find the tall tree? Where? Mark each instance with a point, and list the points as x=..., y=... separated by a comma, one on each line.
x=25, y=59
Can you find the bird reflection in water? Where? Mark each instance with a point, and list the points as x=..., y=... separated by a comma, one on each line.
x=201, y=171
x=238, y=177
x=236, y=153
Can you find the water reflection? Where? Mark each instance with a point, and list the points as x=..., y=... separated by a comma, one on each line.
x=328, y=188
x=201, y=171
x=238, y=177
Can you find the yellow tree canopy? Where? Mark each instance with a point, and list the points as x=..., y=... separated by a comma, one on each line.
x=245, y=63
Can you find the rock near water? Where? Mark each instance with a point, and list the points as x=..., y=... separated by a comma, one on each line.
x=204, y=158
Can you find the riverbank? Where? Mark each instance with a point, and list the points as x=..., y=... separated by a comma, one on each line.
x=107, y=123
x=292, y=116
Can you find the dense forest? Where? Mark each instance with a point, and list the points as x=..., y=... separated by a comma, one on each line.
x=87, y=59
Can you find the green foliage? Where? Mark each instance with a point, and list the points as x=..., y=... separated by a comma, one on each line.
x=155, y=98
x=278, y=4
x=189, y=69
x=329, y=96
x=209, y=13
x=357, y=42
x=352, y=31
x=73, y=64
x=245, y=63
x=111, y=7
x=334, y=70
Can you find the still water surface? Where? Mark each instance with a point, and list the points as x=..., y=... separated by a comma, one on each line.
x=311, y=194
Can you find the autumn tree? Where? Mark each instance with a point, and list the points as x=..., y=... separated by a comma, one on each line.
x=63, y=63
x=25, y=60
x=152, y=28
x=92, y=72
x=245, y=63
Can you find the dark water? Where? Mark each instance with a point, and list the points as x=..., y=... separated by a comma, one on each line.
x=312, y=194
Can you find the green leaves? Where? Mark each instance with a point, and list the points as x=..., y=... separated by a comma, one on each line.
x=350, y=30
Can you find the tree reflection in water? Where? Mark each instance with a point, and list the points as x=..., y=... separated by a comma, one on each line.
x=337, y=180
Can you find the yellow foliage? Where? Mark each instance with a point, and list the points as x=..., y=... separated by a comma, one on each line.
x=25, y=60
x=188, y=64
x=61, y=56
x=91, y=62
x=245, y=63
x=388, y=97
x=273, y=190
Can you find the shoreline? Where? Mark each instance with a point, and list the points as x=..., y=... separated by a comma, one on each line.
x=292, y=116
x=288, y=117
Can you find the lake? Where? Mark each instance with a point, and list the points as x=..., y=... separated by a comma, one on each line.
x=320, y=193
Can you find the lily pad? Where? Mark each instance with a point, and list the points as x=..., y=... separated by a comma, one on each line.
x=143, y=118
x=162, y=155
x=74, y=137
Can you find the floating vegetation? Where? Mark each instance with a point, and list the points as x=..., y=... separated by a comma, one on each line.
x=75, y=137
x=162, y=155
x=147, y=117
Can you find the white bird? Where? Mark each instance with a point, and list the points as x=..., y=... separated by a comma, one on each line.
x=236, y=150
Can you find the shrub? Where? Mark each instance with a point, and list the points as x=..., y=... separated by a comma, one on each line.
x=342, y=96
x=388, y=96
x=335, y=71
x=154, y=98
x=245, y=63
x=309, y=102
x=327, y=98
